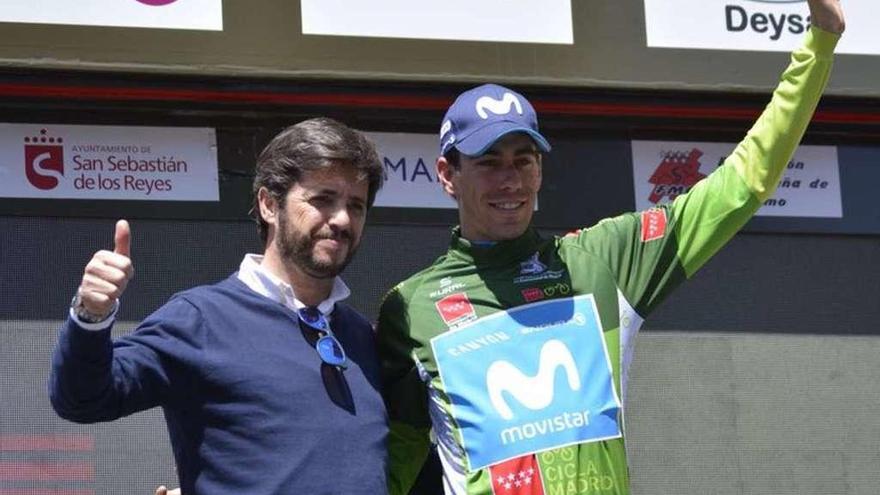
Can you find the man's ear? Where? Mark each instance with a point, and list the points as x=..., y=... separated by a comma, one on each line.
x=268, y=206
x=446, y=173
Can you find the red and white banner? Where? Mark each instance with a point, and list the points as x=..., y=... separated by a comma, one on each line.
x=810, y=186
x=108, y=162
x=169, y=14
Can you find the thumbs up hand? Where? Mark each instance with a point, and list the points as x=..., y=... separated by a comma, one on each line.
x=107, y=274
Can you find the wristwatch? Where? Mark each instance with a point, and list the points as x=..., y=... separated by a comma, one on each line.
x=84, y=314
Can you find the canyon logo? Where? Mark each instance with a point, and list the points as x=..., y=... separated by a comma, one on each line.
x=43, y=160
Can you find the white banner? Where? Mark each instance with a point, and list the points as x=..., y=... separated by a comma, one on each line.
x=528, y=21
x=810, y=186
x=753, y=25
x=170, y=14
x=104, y=162
x=410, y=177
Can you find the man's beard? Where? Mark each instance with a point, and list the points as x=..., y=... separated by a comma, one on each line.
x=298, y=249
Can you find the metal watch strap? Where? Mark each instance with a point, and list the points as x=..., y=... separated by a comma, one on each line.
x=84, y=314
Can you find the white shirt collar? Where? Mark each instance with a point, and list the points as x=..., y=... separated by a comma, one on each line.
x=266, y=284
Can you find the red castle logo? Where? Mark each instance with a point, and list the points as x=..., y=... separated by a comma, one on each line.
x=676, y=174
x=43, y=160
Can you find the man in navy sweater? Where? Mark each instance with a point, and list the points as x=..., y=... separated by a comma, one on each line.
x=268, y=383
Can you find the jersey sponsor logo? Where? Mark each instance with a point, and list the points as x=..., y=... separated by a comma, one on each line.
x=533, y=270
x=533, y=392
x=43, y=160
x=519, y=476
x=653, y=224
x=560, y=288
x=456, y=309
x=532, y=294
x=548, y=275
x=675, y=175
x=447, y=286
x=532, y=378
x=532, y=265
x=479, y=343
x=499, y=107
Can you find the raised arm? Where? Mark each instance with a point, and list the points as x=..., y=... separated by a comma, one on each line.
x=654, y=251
x=714, y=209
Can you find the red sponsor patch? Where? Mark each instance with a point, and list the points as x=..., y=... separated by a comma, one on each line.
x=653, y=224
x=520, y=476
x=532, y=294
x=455, y=308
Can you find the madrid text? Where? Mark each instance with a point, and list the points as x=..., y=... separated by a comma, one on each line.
x=566, y=474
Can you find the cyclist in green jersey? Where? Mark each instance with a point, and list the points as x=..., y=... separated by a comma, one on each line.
x=472, y=346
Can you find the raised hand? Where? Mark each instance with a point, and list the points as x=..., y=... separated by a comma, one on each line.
x=827, y=15
x=162, y=490
x=107, y=274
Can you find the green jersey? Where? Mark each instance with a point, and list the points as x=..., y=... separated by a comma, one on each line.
x=515, y=355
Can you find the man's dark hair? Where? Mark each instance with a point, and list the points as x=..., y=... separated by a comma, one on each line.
x=313, y=144
x=453, y=156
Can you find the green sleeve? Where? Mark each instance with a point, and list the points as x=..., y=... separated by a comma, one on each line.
x=405, y=396
x=721, y=204
x=651, y=252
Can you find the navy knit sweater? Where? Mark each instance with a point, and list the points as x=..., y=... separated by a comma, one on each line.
x=250, y=407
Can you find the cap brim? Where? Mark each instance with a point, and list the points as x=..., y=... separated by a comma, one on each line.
x=480, y=141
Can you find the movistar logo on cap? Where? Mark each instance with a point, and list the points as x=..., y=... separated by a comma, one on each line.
x=499, y=107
